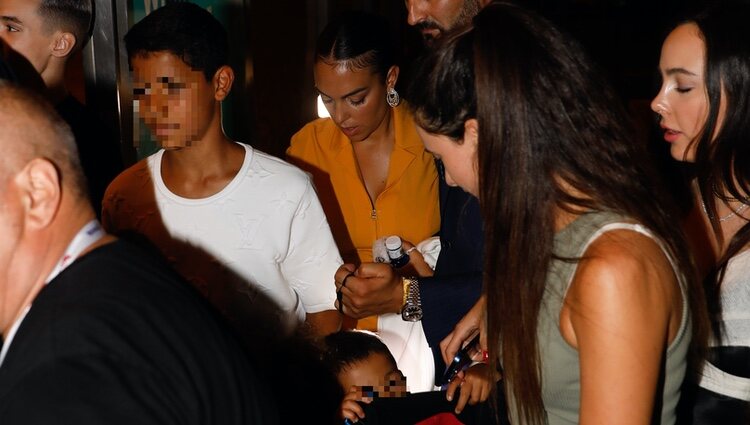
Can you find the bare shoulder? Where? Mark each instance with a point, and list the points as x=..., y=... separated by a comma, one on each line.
x=625, y=259
x=623, y=280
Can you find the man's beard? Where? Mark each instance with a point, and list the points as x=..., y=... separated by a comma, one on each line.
x=469, y=10
x=429, y=38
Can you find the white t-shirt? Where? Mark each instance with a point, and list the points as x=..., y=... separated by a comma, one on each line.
x=265, y=232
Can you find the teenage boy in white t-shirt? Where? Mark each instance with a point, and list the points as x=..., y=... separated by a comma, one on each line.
x=244, y=227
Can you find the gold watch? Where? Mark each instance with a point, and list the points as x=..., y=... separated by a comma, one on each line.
x=412, y=308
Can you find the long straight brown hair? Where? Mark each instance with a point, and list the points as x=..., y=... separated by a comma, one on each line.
x=545, y=115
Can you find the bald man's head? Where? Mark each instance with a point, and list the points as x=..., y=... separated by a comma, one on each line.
x=30, y=128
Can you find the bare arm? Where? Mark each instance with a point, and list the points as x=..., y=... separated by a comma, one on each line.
x=324, y=322
x=622, y=309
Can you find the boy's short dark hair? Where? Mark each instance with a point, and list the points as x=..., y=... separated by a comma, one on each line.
x=344, y=348
x=74, y=16
x=184, y=29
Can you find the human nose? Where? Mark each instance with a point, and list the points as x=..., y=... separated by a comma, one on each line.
x=338, y=113
x=154, y=106
x=415, y=14
x=659, y=104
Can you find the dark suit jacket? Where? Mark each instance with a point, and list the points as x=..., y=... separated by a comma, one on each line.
x=457, y=283
x=119, y=338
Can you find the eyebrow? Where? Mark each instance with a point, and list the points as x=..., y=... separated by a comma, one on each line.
x=680, y=71
x=10, y=19
x=351, y=93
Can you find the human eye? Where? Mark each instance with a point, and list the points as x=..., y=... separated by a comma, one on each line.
x=326, y=100
x=11, y=28
x=684, y=85
x=141, y=91
x=357, y=101
x=175, y=88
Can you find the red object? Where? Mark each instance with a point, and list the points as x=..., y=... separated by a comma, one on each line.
x=441, y=419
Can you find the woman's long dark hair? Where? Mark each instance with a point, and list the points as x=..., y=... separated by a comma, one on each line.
x=545, y=116
x=722, y=163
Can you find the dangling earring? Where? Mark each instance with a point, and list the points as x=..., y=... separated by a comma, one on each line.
x=392, y=97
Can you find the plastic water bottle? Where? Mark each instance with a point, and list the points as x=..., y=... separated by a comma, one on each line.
x=396, y=253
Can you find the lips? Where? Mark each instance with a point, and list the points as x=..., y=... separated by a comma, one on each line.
x=671, y=135
x=350, y=131
x=165, y=128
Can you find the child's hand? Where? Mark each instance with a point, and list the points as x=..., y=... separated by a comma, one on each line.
x=417, y=266
x=350, y=409
x=476, y=383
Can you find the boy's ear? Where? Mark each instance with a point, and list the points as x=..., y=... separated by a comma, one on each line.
x=63, y=44
x=223, y=80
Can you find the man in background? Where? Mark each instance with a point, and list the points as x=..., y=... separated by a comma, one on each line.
x=46, y=34
x=96, y=331
x=434, y=18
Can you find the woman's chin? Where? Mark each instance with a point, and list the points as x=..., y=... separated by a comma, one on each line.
x=681, y=154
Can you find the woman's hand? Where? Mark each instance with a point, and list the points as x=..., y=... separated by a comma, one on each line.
x=464, y=330
x=371, y=289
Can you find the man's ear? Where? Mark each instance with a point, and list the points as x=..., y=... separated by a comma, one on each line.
x=41, y=189
x=223, y=80
x=63, y=44
x=471, y=132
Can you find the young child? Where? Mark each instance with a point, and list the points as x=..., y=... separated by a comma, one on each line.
x=244, y=227
x=366, y=370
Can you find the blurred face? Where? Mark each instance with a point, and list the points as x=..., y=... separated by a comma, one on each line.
x=433, y=18
x=682, y=101
x=377, y=371
x=24, y=31
x=355, y=98
x=459, y=159
x=175, y=101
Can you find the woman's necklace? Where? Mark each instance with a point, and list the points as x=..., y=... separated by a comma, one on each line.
x=732, y=214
